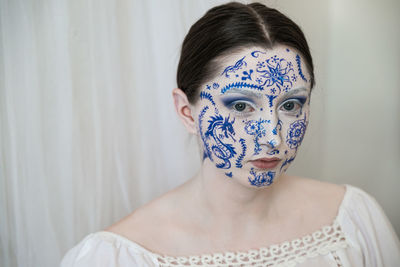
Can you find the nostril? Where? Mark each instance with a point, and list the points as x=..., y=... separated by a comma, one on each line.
x=272, y=143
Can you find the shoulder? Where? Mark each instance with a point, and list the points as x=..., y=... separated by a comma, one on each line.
x=320, y=189
x=324, y=195
x=107, y=249
x=153, y=225
x=367, y=227
x=358, y=205
x=318, y=202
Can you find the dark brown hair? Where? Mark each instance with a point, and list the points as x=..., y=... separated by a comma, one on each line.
x=229, y=27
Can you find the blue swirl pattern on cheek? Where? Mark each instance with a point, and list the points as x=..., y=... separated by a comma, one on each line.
x=295, y=133
x=219, y=130
x=287, y=161
x=262, y=179
x=207, y=152
x=241, y=156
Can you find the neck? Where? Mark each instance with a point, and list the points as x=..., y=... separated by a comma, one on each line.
x=221, y=201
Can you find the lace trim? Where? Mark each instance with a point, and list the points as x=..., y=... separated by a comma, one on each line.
x=328, y=239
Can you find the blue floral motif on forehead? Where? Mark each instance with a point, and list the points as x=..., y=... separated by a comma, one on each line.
x=257, y=53
x=262, y=179
x=232, y=69
x=247, y=75
x=275, y=72
x=299, y=67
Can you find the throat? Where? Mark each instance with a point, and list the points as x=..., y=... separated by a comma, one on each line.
x=223, y=203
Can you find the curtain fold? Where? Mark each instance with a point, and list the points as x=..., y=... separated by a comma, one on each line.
x=88, y=130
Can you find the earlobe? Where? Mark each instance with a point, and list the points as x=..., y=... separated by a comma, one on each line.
x=184, y=110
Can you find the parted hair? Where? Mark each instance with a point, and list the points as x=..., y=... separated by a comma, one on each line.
x=231, y=27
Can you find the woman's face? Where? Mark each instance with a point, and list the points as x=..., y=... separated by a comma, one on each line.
x=252, y=117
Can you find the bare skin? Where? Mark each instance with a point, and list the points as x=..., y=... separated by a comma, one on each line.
x=199, y=217
x=212, y=213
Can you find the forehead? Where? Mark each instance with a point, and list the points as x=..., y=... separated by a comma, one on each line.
x=254, y=54
x=278, y=69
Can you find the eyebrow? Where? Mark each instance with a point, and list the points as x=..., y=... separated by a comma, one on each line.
x=244, y=92
x=295, y=91
x=258, y=94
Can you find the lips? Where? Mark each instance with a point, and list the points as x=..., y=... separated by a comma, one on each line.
x=266, y=163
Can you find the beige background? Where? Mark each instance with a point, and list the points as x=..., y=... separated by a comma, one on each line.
x=354, y=136
x=88, y=131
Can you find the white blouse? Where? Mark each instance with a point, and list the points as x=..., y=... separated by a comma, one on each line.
x=360, y=235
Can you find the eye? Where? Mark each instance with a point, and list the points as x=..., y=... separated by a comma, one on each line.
x=242, y=107
x=293, y=105
x=288, y=105
x=239, y=104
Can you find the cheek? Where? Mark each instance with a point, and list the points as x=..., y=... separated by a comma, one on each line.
x=294, y=132
x=201, y=129
x=218, y=135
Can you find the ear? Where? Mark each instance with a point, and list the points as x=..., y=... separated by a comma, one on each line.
x=184, y=110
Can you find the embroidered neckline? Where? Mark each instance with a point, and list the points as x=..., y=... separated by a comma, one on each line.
x=321, y=242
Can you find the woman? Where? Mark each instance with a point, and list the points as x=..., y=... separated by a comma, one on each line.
x=245, y=78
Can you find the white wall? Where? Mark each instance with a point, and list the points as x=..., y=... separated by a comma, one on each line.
x=354, y=136
x=363, y=110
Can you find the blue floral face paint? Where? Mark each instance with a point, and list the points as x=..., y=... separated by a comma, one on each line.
x=252, y=117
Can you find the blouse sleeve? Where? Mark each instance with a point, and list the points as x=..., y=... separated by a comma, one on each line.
x=371, y=229
x=94, y=250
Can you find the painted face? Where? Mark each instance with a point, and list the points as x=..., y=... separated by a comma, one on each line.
x=252, y=117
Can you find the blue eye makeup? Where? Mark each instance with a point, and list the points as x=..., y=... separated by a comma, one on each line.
x=229, y=100
x=243, y=107
x=239, y=104
x=292, y=105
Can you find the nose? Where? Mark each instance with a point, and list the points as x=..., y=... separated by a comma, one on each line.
x=272, y=135
x=266, y=134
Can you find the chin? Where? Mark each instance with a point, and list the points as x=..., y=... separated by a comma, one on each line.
x=256, y=178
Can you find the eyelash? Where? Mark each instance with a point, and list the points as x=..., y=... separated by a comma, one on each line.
x=299, y=102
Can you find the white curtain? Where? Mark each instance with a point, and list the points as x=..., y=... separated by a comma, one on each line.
x=88, y=131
